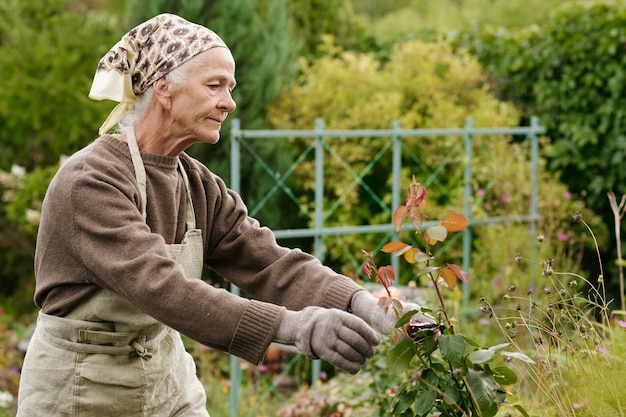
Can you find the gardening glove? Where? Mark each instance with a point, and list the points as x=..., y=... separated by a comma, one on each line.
x=365, y=306
x=336, y=336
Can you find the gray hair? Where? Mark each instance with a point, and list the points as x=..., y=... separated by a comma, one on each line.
x=176, y=77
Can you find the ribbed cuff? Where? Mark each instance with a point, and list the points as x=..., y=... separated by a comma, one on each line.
x=255, y=331
x=340, y=293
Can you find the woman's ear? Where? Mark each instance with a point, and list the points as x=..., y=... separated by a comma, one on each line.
x=162, y=90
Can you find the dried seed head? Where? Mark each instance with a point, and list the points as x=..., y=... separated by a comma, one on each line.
x=576, y=217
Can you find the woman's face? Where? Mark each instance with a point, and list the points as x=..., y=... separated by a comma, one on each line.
x=201, y=104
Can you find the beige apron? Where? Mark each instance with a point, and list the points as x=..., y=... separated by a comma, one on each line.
x=107, y=357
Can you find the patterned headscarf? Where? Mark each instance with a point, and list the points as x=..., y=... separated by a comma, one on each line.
x=145, y=54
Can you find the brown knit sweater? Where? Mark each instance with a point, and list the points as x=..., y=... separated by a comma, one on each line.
x=92, y=235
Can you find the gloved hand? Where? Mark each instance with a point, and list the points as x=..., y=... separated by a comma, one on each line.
x=365, y=306
x=336, y=336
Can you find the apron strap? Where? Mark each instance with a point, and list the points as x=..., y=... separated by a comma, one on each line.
x=140, y=175
x=140, y=169
x=191, y=215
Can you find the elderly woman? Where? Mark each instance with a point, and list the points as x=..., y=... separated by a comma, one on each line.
x=127, y=226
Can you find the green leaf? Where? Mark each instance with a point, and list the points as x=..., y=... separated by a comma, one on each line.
x=498, y=347
x=518, y=355
x=422, y=257
x=425, y=402
x=504, y=375
x=521, y=410
x=403, y=401
x=484, y=389
x=452, y=395
x=471, y=342
x=481, y=356
x=400, y=356
x=427, y=270
x=452, y=347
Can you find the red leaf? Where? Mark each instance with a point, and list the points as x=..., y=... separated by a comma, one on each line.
x=455, y=222
x=385, y=275
x=367, y=269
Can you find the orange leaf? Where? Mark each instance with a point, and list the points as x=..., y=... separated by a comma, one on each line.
x=393, y=247
x=409, y=255
x=449, y=277
x=398, y=218
x=455, y=222
x=458, y=272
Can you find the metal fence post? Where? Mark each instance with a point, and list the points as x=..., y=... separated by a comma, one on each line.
x=397, y=182
x=235, y=185
x=467, y=205
x=316, y=366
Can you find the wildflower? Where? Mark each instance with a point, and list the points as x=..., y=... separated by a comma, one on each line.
x=33, y=216
x=18, y=171
x=518, y=257
x=562, y=236
x=567, y=195
x=622, y=323
x=480, y=192
x=506, y=198
x=547, y=290
x=577, y=217
x=511, y=288
x=6, y=398
x=540, y=238
x=581, y=404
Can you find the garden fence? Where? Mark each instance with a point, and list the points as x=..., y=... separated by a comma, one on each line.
x=317, y=146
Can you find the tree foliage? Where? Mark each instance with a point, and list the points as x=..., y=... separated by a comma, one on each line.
x=571, y=72
x=48, y=55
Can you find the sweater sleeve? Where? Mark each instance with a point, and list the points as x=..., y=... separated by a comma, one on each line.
x=121, y=253
x=248, y=255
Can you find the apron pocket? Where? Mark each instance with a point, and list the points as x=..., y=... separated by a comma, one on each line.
x=110, y=385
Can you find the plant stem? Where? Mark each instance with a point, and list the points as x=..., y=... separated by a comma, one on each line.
x=618, y=212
